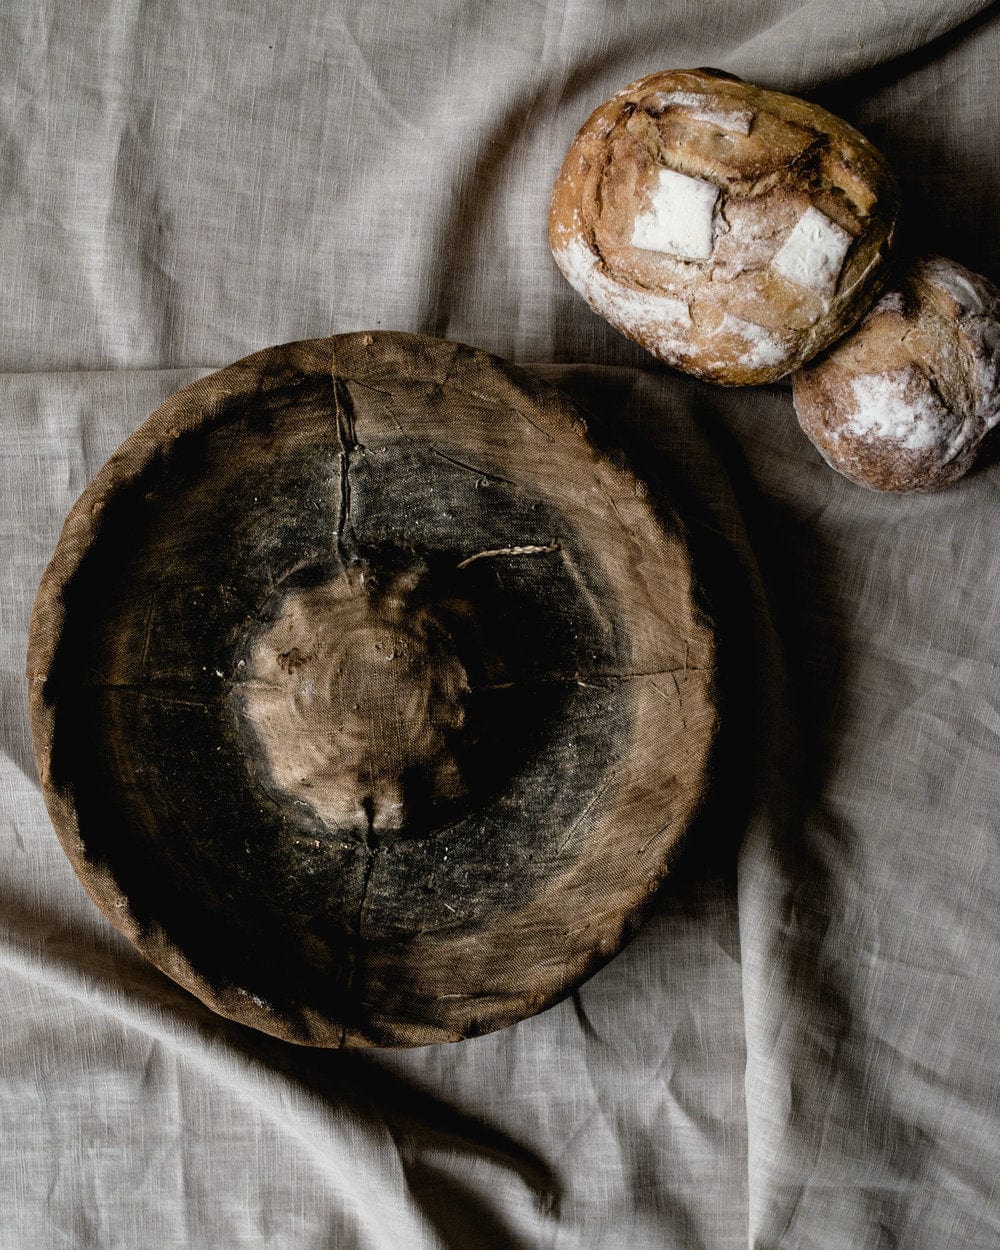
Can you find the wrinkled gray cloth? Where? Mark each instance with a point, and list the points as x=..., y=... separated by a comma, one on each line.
x=802, y=1047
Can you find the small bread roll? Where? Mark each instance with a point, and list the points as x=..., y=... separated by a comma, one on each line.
x=904, y=402
x=732, y=232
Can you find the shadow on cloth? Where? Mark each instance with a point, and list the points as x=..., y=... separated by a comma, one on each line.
x=948, y=182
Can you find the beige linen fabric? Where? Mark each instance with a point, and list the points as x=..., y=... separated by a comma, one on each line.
x=801, y=1048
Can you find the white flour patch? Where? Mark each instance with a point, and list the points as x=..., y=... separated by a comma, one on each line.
x=813, y=254
x=680, y=217
x=764, y=350
x=660, y=319
x=897, y=407
x=706, y=108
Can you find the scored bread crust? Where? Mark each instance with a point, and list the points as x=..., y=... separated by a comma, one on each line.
x=742, y=314
x=903, y=402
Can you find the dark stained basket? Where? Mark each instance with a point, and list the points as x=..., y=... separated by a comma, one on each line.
x=369, y=698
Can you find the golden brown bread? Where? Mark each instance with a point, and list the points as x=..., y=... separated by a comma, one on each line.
x=732, y=232
x=903, y=403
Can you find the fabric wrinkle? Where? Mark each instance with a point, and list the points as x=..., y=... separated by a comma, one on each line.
x=799, y=1049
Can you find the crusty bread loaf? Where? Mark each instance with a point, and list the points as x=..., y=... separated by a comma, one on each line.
x=904, y=402
x=732, y=232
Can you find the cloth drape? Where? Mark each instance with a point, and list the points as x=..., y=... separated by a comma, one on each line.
x=800, y=1049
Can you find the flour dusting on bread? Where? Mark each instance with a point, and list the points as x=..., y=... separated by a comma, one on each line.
x=638, y=312
x=745, y=208
x=763, y=347
x=899, y=406
x=904, y=402
x=680, y=217
x=813, y=254
x=703, y=107
x=961, y=286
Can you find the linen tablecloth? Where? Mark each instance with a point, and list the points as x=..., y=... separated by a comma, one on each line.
x=802, y=1047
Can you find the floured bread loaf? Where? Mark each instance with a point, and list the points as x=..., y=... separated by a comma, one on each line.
x=904, y=402
x=732, y=232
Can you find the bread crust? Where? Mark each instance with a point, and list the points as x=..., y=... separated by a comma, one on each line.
x=742, y=314
x=903, y=403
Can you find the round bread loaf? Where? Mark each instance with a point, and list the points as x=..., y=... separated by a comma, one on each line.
x=904, y=402
x=732, y=232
